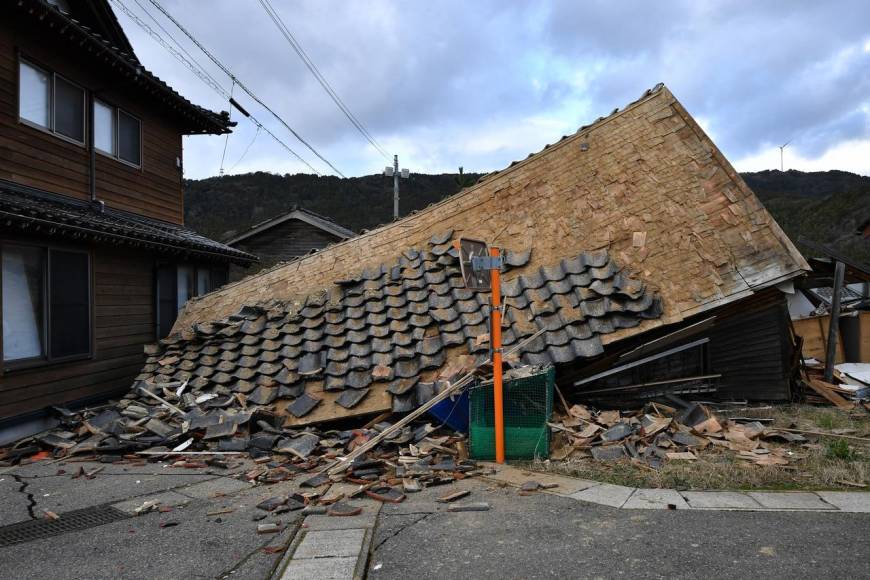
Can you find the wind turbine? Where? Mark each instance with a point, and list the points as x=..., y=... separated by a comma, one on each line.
x=781, y=155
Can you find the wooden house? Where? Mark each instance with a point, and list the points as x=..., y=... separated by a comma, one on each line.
x=286, y=237
x=637, y=251
x=96, y=261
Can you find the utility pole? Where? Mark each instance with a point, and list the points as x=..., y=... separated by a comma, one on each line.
x=395, y=174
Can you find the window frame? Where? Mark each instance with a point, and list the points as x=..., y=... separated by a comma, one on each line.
x=116, y=137
x=196, y=268
x=47, y=359
x=52, y=99
x=114, y=111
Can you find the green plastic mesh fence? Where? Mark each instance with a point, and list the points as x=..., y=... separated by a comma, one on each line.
x=528, y=404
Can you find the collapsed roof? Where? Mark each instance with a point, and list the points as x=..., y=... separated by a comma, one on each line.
x=634, y=222
x=384, y=338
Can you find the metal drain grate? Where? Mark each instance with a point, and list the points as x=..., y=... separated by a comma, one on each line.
x=68, y=522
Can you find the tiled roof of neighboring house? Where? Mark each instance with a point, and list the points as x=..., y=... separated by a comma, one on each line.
x=394, y=328
x=40, y=212
x=200, y=119
x=297, y=213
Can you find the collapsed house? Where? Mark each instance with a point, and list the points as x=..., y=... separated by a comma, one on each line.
x=633, y=245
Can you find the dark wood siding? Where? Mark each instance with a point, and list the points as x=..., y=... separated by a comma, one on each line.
x=123, y=291
x=283, y=242
x=753, y=351
x=39, y=159
x=749, y=344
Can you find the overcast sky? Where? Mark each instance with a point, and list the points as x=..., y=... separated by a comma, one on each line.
x=482, y=83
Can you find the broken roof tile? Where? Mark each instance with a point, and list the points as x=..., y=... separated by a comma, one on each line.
x=442, y=238
x=303, y=405
x=350, y=398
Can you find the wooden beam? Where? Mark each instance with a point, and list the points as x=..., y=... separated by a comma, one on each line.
x=826, y=390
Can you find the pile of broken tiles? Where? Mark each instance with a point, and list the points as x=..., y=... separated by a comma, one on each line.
x=416, y=456
x=660, y=433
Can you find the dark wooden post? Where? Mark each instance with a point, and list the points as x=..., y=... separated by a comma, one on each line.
x=833, y=325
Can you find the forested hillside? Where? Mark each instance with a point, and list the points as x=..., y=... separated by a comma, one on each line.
x=826, y=207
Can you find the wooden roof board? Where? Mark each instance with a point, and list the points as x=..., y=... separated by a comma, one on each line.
x=645, y=183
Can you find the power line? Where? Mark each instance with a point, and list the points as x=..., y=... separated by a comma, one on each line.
x=297, y=47
x=245, y=152
x=173, y=39
x=207, y=79
x=242, y=86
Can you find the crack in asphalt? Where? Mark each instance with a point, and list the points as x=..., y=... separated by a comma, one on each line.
x=403, y=528
x=30, y=499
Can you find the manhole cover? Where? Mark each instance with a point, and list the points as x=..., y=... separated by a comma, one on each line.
x=68, y=522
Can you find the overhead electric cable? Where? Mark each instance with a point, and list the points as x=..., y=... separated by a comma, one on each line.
x=245, y=152
x=297, y=47
x=208, y=80
x=242, y=86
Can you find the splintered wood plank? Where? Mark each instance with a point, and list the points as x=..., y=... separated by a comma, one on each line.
x=826, y=390
x=377, y=401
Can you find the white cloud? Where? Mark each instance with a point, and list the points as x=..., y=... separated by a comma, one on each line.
x=852, y=155
x=482, y=84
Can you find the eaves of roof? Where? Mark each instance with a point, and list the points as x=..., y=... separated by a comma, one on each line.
x=42, y=213
x=200, y=120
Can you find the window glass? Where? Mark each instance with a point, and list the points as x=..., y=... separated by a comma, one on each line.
x=128, y=138
x=70, y=299
x=186, y=287
x=104, y=127
x=69, y=110
x=203, y=281
x=23, y=275
x=167, y=293
x=34, y=95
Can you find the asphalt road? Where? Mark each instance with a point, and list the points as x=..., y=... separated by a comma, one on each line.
x=197, y=544
x=546, y=536
x=535, y=536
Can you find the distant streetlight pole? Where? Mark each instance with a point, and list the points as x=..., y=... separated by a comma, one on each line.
x=395, y=174
x=782, y=156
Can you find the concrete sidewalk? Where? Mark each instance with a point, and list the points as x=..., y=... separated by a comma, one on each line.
x=622, y=497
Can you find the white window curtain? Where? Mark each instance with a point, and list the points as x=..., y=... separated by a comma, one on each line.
x=34, y=98
x=22, y=303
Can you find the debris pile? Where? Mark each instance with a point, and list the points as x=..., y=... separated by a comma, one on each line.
x=852, y=390
x=415, y=456
x=659, y=433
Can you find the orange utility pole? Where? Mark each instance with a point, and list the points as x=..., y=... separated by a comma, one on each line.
x=495, y=337
x=480, y=271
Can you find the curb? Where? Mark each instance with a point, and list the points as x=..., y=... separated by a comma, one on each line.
x=332, y=566
x=622, y=497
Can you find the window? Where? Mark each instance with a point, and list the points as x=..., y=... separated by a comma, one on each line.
x=176, y=284
x=129, y=143
x=117, y=133
x=23, y=284
x=186, y=290
x=104, y=127
x=46, y=303
x=34, y=96
x=49, y=101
